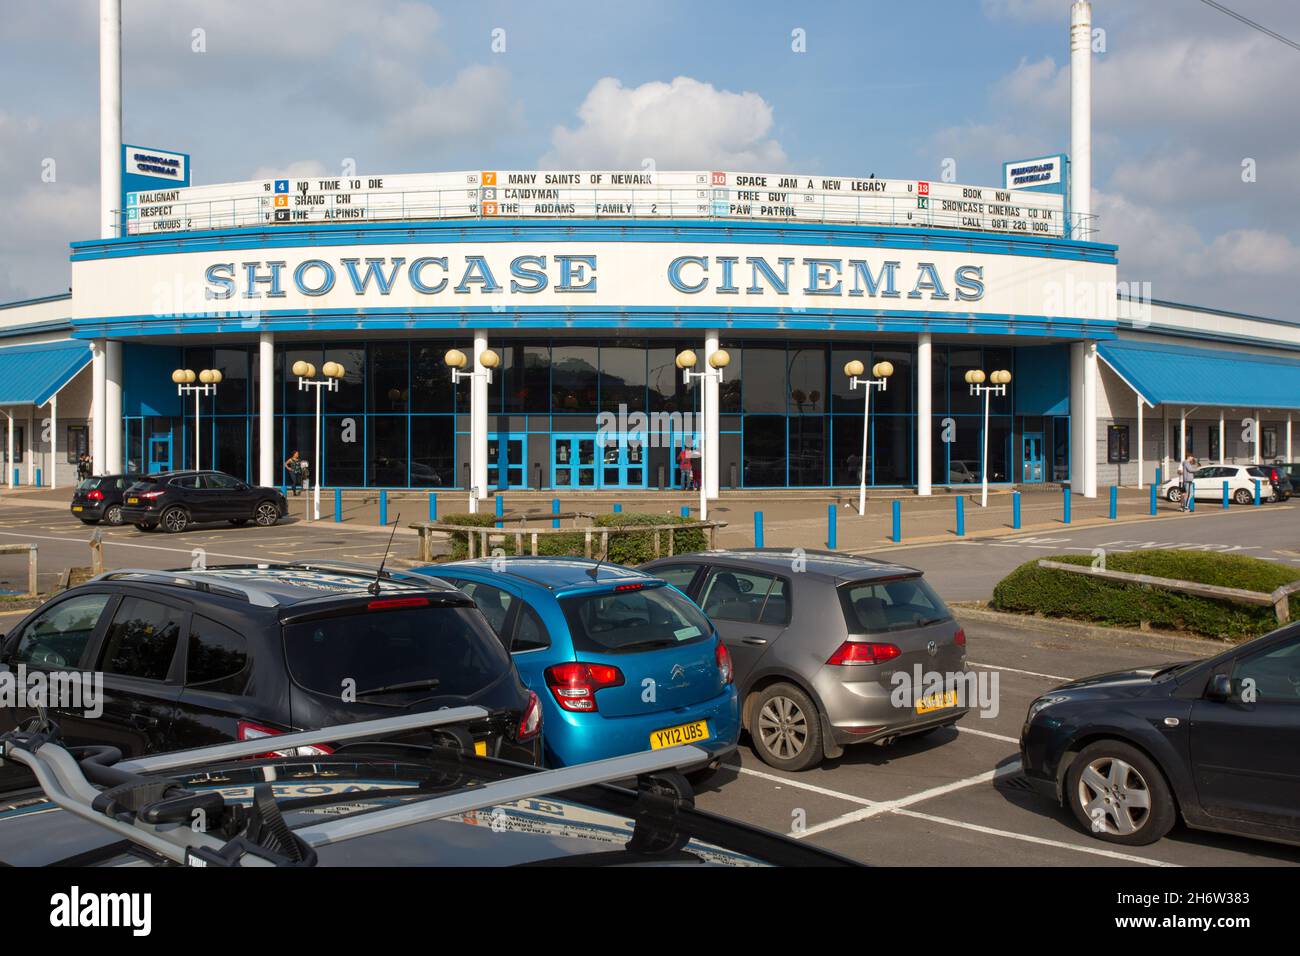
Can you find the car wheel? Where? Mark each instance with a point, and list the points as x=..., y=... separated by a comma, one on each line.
x=175, y=520
x=143, y=527
x=1174, y=494
x=1243, y=496
x=1119, y=795
x=239, y=522
x=786, y=728
x=267, y=514
x=113, y=515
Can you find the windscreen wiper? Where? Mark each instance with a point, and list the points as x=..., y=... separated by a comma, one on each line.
x=428, y=683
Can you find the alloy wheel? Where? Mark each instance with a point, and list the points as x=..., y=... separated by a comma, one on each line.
x=175, y=520
x=783, y=728
x=1114, y=796
x=113, y=515
x=267, y=514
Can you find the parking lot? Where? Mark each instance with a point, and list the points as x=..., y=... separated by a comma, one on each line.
x=953, y=798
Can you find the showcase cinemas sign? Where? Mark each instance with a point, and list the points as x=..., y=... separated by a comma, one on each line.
x=478, y=275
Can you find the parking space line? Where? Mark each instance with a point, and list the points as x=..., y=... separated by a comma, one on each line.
x=1013, y=670
x=889, y=806
x=1026, y=838
x=804, y=786
x=985, y=733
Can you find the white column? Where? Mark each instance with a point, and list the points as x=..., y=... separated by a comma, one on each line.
x=54, y=441
x=478, y=412
x=1083, y=418
x=1141, y=450
x=1164, y=443
x=1222, y=435
x=266, y=463
x=113, y=407
x=1259, y=434
x=9, y=445
x=30, y=440
x=1288, y=437
x=1182, y=435
x=1081, y=115
x=98, y=374
x=924, y=413
x=110, y=116
x=712, y=442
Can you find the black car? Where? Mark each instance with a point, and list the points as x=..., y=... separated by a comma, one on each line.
x=173, y=500
x=196, y=657
x=1281, y=477
x=99, y=498
x=1215, y=742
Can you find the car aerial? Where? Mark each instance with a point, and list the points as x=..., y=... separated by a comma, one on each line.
x=1208, y=482
x=1215, y=742
x=622, y=662
x=174, y=500
x=99, y=498
x=818, y=641
x=238, y=652
x=371, y=802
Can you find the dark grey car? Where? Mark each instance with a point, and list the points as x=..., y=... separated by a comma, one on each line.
x=829, y=649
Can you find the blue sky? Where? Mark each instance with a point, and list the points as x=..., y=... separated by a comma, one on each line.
x=1183, y=95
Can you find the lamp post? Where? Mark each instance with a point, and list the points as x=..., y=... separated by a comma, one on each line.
x=306, y=372
x=975, y=379
x=686, y=360
x=209, y=378
x=456, y=360
x=880, y=379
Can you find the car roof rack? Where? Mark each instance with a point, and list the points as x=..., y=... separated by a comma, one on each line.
x=143, y=809
x=230, y=588
x=364, y=570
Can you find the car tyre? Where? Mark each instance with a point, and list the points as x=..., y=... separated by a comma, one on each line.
x=113, y=515
x=239, y=522
x=786, y=728
x=1118, y=794
x=1243, y=496
x=1174, y=494
x=174, y=520
x=267, y=514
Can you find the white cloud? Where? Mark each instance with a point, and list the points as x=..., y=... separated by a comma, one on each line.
x=476, y=106
x=300, y=169
x=685, y=124
x=1027, y=9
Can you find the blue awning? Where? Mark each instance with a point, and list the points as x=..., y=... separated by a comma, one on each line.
x=1168, y=374
x=32, y=374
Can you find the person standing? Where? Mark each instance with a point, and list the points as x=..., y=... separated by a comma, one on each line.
x=294, y=466
x=687, y=468
x=84, y=469
x=1187, y=474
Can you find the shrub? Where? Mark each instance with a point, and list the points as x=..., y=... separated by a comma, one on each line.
x=1033, y=590
x=633, y=548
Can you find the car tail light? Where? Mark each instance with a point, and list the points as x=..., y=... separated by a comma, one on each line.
x=960, y=637
x=574, y=684
x=151, y=495
x=96, y=495
x=863, y=652
x=628, y=587
x=247, y=730
x=724, y=663
x=530, y=725
x=388, y=604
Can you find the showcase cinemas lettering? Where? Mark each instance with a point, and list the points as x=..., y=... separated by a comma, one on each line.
x=848, y=278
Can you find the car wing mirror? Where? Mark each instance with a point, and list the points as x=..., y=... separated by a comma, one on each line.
x=1219, y=688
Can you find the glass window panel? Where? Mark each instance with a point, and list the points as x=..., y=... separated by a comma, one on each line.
x=351, y=394
x=574, y=378
x=667, y=391
x=807, y=381
x=844, y=398
x=386, y=444
x=960, y=399
x=297, y=401
x=892, y=449
x=897, y=396
x=431, y=388
x=433, y=462
x=232, y=393
x=765, y=374
x=623, y=377
x=389, y=387
x=807, y=451
x=527, y=378
x=343, y=441
x=764, y=451
x=846, y=433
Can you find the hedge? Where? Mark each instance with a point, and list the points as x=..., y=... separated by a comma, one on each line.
x=627, y=549
x=1033, y=590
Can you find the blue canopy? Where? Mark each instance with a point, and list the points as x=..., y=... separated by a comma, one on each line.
x=1171, y=374
x=32, y=374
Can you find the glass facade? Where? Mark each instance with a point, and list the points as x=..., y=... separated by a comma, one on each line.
x=788, y=417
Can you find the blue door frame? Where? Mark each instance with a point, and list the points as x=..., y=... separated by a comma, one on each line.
x=1031, y=464
x=509, y=470
x=158, y=451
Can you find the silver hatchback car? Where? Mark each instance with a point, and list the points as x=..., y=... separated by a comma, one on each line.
x=829, y=650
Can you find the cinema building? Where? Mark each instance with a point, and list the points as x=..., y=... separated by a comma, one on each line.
x=587, y=286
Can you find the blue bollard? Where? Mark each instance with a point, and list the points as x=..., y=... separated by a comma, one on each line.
x=1225, y=494
x=618, y=507
x=39, y=480
x=1159, y=476
x=1191, y=499
x=501, y=509
x=758, y=529
x=338, y=505
x=898, y=521
x=1153, y=492
x=830, y=527
x=686, y=511
x=1257, y=493
x=1114, y=502
x=555, y=510
x=1065, y=505
x=961, y=516
x=1015, y=511
x=383, y=508
x=433, y=506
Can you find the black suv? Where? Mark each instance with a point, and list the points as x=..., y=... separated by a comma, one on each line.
x=99, y=498
x=196, y=657
x=173, y=500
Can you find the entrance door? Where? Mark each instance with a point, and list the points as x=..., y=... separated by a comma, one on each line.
x=160, y=452
x=622, y=461
x=689, y=440
x=1032, y=464
x=506, y=452
x=573, y=461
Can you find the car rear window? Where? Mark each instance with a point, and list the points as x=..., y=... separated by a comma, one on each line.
x=88, y=484
x=633, y=619
x=871, y=607
x=378, y=649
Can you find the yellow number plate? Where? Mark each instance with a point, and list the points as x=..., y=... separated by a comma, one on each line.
x=132, y=501
x=936, y=701
x=682, y=734
x=76, y=507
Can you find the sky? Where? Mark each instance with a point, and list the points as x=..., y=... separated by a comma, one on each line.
x=1196, y=127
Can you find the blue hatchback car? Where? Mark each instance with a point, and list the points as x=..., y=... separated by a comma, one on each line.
x=622, y=661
